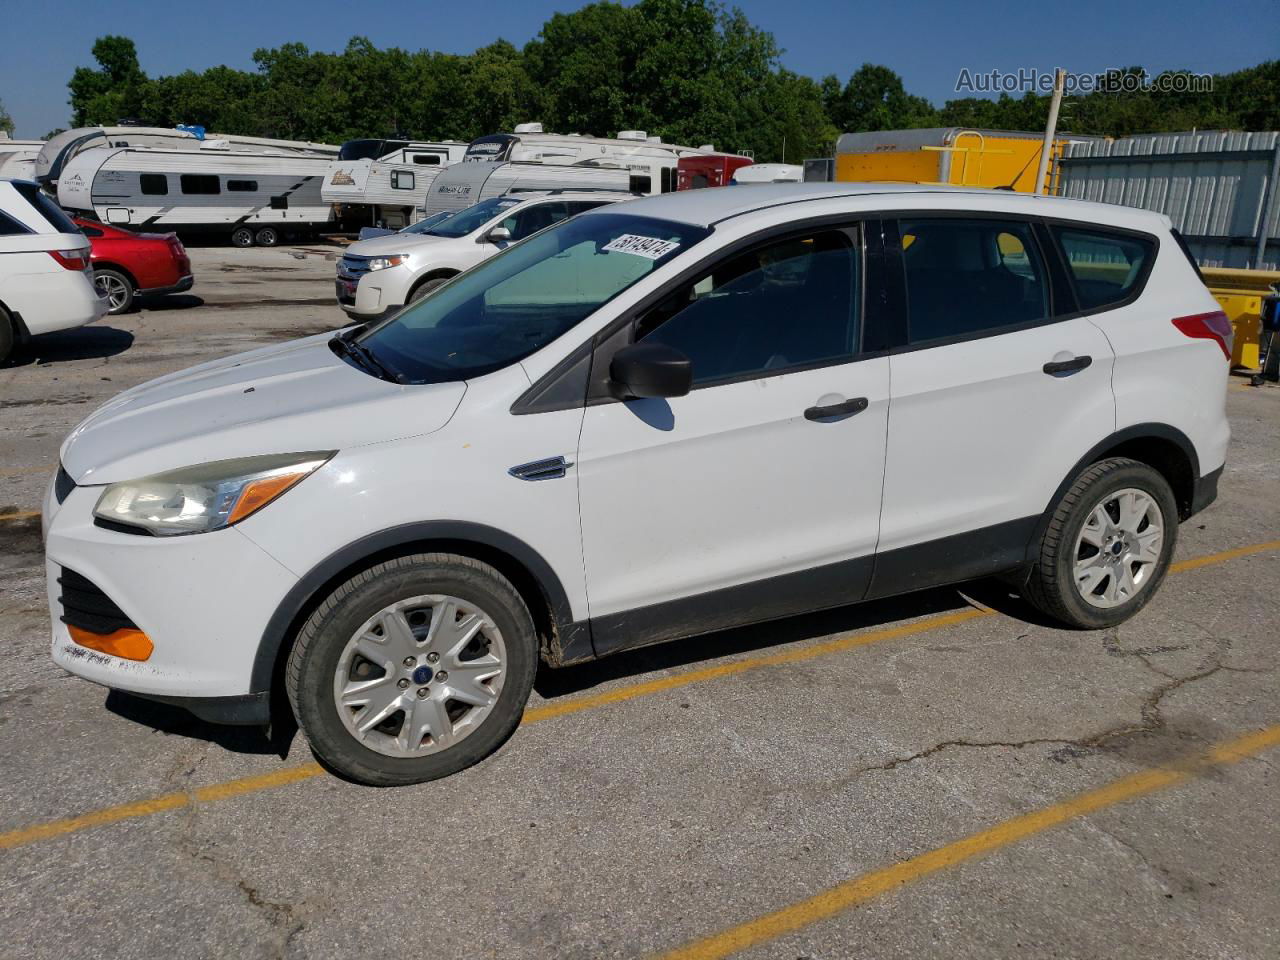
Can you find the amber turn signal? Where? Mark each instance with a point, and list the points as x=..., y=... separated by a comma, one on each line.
x=259, y=493
x=127, y=643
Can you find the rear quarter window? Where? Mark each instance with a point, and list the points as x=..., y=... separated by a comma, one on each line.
x=1106, y=268
x=49, y=210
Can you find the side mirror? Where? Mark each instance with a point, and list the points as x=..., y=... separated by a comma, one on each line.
x=497, y=235
x=650, y=370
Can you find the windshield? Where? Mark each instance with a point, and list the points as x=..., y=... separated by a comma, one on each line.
x=520, y=300
x=424, y=226
x=474, y=217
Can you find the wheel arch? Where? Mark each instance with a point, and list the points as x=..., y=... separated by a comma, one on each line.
x=1166, y=449
x=440, y=273
x=561, y=639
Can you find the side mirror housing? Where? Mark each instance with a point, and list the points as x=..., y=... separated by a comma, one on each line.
x=497, y=235
x=650, y=370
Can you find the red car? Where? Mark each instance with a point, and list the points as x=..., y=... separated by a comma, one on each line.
x=126, y=264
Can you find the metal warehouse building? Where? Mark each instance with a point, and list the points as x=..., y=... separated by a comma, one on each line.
x=1218, y=188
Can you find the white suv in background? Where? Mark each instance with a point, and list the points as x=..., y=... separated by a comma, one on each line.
x=376, y=277
x=46, y=283
x=653, y=420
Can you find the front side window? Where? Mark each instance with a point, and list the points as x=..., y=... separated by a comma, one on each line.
x=1106, y=267
x=788, y=304
x=205, y=183
x=539, y=216
x=154, y=184
x=520, y=300
x=970, y=277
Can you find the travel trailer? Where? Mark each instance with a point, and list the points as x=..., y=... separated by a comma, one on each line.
x=250, y=197
x=382, y=183
x=708, y=170
x=18, y=157
x=63, y=147
x=769, y=173
x=464, y=184
x=630, y=148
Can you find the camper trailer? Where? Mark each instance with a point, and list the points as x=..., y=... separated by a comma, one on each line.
x=708, y=170
x=18, y=157
x=769, y=173
x=250, y=197
x=630, y=149
x=382, y=183
x=465, y=184
x=64, y=147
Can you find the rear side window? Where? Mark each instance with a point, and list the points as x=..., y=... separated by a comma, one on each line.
x=10, y=227
x=1107, y=267
x=790, y=304
x=971, y=277
x=200, y=183
x=154, y=184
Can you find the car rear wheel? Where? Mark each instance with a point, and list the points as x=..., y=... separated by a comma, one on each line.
x=413, y=669
x=267, y=237
x=116, y=288
x=242, y=237
x=1107, y=547
x=8, y=336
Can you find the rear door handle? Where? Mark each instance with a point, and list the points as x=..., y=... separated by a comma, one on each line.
x=1067, y=366
x=846, y=409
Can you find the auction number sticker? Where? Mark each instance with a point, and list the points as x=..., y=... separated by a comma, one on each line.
x=651, y=248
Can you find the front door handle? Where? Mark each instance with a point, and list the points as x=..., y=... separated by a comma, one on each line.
x=845, y=409
x=1067, y=366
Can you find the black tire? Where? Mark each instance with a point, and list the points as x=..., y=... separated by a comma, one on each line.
x=267, y=237
x=8, y=335
x=242, y=237
x=314, y=659
x=1052, y=585
x=117, y=286
x=426, y=286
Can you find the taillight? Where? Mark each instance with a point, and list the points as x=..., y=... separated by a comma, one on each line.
x=72, y=259
x=1208, y=326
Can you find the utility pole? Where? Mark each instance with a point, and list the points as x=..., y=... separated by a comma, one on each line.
x=1059, y=80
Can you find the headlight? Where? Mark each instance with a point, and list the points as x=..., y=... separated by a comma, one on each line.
x=207, y=497
x=381, y=263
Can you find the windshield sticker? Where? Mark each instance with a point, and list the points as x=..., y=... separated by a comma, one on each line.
x=651, y=248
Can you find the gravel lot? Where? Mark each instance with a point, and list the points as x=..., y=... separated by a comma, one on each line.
x=665, y=796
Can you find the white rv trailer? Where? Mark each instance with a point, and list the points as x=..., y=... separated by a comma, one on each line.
x=252, y=197
x=769, y=173
x=18, y=157
x=464, y=184
x=383, y=182
x=60, y=149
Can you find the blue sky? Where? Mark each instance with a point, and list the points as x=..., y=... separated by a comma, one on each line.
x=927, y=43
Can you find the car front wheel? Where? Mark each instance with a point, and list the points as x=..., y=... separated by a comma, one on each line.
x=1107, y=547
x=414, y=669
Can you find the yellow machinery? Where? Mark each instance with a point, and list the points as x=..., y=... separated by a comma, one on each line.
x=1240, y=293
x=956, y=156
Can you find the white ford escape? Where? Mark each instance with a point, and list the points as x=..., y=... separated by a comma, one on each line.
x=650, y=421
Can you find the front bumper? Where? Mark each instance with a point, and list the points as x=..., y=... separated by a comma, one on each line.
x=203, y=600
x=371, y=295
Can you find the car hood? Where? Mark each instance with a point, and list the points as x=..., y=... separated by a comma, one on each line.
x=291, y=397
x=395, y=243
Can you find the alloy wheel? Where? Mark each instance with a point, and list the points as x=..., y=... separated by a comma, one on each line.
x=114, y=288
x=1118, y=548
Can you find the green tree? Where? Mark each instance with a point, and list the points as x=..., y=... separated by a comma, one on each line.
x=875, y=99
x=6, y=121
x=112, y=91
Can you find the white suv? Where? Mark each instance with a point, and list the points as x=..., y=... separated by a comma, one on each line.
x=377, y=277
x=46, y=283
x=644, y=423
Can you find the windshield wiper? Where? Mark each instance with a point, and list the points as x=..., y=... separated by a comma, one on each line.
x=365, y=357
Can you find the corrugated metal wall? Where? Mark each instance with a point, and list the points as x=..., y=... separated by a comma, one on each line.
x=1212, y=185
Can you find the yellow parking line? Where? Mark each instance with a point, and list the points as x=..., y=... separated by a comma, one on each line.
x=869, y=885
x=232, y=788
x=19, y=515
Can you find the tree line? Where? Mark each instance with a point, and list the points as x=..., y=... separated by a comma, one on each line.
x=691, y=71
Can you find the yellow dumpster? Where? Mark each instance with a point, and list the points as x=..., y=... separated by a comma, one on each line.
x=1240, y=293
